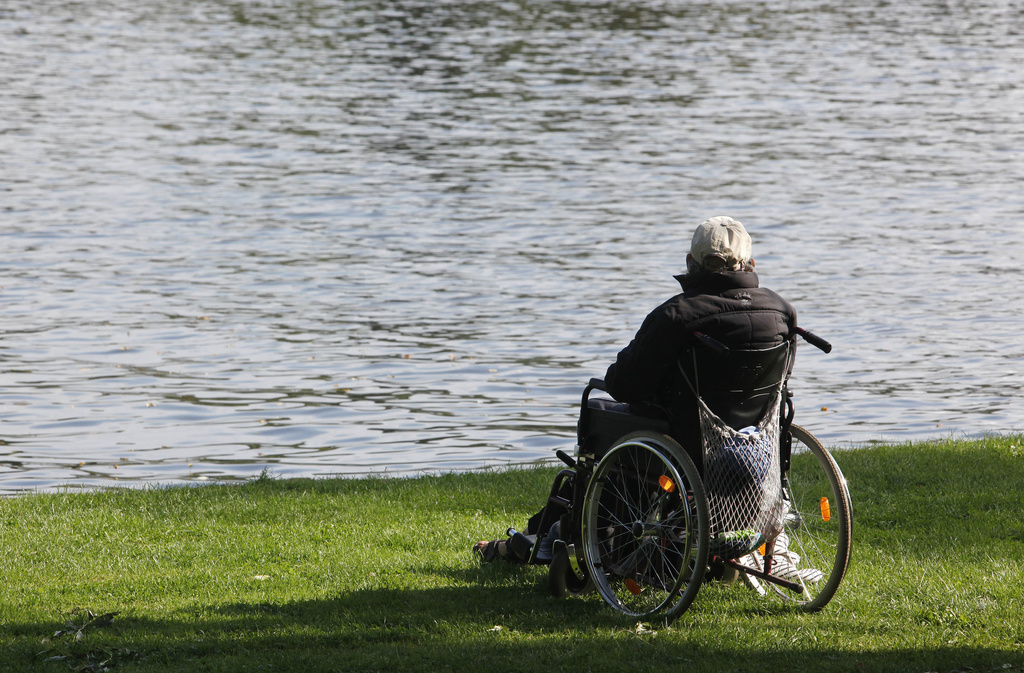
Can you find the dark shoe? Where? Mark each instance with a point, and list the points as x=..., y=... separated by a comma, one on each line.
x=488, y=551
x=515, y=549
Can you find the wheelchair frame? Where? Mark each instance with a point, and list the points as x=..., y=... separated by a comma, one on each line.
x=645, y=547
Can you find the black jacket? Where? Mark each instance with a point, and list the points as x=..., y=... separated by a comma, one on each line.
x=728, y=306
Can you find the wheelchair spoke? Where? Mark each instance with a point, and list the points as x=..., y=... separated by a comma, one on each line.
x=610, y=513
x=815, y=544
x=639, y=538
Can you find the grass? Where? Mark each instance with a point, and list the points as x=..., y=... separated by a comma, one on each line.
x=375, y=574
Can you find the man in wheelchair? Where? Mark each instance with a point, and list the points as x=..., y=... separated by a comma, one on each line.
x=720, y=299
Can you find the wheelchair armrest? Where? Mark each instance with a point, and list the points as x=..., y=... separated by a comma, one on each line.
x=595, y=384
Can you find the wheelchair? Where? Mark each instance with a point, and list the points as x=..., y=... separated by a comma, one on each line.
x=635, y=518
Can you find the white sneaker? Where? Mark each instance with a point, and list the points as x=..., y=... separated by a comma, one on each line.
x=786, y=563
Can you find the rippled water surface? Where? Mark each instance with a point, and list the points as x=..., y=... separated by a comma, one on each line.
x=336, y=237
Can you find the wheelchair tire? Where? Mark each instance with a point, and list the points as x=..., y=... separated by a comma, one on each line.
x=562, y=580
x=819, y=522
x=645, y=526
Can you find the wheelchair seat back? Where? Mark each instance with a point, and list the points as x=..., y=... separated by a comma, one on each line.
x=738, y=385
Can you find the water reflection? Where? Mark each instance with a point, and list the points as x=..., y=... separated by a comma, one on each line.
x=331, y=238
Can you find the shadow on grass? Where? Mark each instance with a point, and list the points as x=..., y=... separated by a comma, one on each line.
x=486, y=620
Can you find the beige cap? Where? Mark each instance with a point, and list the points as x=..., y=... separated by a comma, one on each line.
x=724, y=238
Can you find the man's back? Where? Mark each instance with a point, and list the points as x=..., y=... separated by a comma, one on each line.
x=721, y=298
x=729, y=307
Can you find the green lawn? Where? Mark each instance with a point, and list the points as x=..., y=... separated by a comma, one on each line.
x=376, y=574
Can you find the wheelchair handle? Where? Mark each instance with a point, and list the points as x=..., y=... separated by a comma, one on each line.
x=720, y=348
x=814, y=340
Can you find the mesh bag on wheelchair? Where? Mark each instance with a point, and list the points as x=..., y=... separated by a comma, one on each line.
x=743, y=481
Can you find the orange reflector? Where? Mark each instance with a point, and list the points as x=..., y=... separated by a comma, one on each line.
x=762, y=549
x=633, y=587
x=666, y=484
x=826, y=511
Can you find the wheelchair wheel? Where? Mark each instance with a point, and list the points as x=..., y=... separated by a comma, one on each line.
x=818, y=523
x=645, y=526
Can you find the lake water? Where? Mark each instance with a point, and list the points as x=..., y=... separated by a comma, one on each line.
x=329, y=237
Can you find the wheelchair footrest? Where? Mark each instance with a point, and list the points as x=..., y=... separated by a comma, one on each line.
x=766, y=576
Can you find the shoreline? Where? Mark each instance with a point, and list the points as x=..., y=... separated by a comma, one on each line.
x=384, y=473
